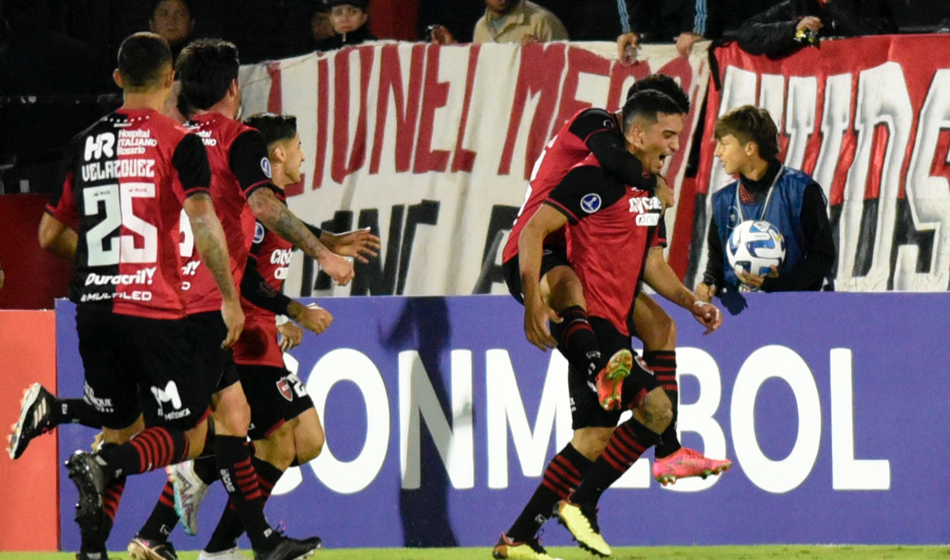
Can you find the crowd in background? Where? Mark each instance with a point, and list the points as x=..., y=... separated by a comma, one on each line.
x=56, y=56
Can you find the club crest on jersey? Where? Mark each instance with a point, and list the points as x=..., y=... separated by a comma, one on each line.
x=590, y=203
x=284, y=387
x=259, y=232
x=265, y=167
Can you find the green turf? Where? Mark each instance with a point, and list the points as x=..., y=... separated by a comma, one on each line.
x=625, y=553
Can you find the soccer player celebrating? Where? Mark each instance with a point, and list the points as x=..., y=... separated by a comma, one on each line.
x=562, y=297
x=286, y=427
x=747, y=145
x=612, y=227
x=130, y=177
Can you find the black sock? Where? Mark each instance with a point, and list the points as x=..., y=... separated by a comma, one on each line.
x=150, y=449
x=74, y=411
x=206, y=469
x=240, y=481
x=163, y=519
x=663, y=364
x=561, y=477
x=627, y=443
x=229, y=527
x=576, y=340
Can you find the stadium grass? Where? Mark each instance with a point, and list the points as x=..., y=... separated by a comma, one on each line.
x=771, y=552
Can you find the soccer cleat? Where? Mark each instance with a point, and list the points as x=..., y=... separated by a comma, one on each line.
x=35, y=412
x=531, y=549
x=581, y=521
x=145, y=549
x=190, y=491
x=610, y=379
x=290, y=549
x=686, y=463
x=229, y=554
x=90, y=481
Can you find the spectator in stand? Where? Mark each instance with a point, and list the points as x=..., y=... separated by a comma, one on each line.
x=683, y=22
x=350, y=21
x=320, y=25
x=510, y=21
x=792, y=24
x=173, y=20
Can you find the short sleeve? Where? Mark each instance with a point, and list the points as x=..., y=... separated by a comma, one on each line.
x=190, y=161
x=585, y=190
x=590, y=122
x=62, y=202
x=249, y=162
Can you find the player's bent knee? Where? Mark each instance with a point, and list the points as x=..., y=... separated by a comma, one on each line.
x=591, y=442
x=233, y=415
x=278, y=447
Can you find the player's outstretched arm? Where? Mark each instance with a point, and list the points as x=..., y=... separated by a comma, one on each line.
x=279, y=219
x=311, y=317
x=56, y=238
x=659, y=276
x=537, y=312
x=290, y=335
x=211, y=245
x=359, y=244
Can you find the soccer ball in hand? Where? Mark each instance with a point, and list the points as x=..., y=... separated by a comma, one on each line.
x=754, y=247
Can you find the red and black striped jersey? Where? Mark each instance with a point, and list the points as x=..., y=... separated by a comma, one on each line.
x=239, y=166
x=127, y=178
x=610, y=228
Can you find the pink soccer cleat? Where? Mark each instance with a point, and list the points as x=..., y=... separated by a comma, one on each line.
x=686, y=463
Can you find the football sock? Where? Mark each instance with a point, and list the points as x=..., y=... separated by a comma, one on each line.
x=239, y=478
x=229, y=527
x=206, y=469
x=663, y=364
x=150, y=449
x=162, y=521
x=576, y=340
x=561, y=477
x=110, y=504
x=627, y=443
x=74, y=411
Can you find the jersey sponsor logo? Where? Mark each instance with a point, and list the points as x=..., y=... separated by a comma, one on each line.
x=133, y=142
x=284, y=387
x=167, y=395
x=190, y=268
x=648, y=220
x=137, y=295
x=206, y=138
x=259, y=232
x=643, y=205
x=281, y=256
x=100, y=145
x=591, y=203
x=265, y=167
x=143, y=276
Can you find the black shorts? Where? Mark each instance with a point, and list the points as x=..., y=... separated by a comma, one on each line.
x=553, y=256
x=275, y=395
x=586, y=411
x=135, y=365
x=207, y=331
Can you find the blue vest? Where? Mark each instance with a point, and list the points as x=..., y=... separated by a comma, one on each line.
x=782, y=208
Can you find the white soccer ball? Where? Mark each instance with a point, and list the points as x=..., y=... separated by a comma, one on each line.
x=754, y=247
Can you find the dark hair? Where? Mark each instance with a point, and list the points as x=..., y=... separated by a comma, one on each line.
x=142, y=57
x=206, y=68
x=274, y=127
x=189, y=5
x=749, y=123
x=649, y=104
x=663, y=84
x=361, y=4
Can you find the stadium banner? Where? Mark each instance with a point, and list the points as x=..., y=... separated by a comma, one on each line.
x=440, y=418
x=29, y=518
x=869, y=119
x=432, y=146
